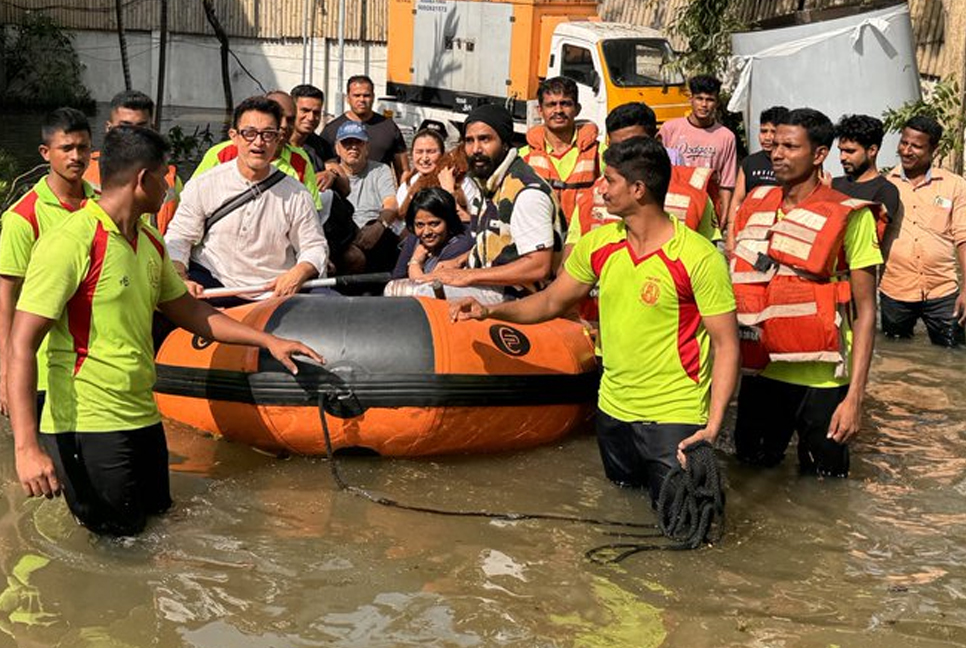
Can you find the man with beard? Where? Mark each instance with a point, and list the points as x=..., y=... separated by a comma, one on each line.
x=666, y=310
x=860, y=139
x=803, y=271
x=520, y=232
x=920, y=280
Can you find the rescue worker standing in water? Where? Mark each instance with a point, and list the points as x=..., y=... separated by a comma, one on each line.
x=803, y=271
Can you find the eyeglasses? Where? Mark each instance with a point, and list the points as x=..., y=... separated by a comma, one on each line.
x=268, y=135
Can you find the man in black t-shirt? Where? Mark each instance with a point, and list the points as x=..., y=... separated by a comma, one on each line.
x=756, y=170
x=386, y=143
x=860, y=139
x=308, y=115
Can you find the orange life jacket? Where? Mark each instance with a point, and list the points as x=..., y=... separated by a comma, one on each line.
x=683, y=200
x=586, y=171
x=171, y=197
x=791, y=306
x=705, y=179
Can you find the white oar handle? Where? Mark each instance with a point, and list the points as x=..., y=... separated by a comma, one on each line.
x=234, y=291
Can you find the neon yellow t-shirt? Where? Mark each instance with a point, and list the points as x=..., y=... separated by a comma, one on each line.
x=861, y=251
x=37, y=212
x=292, y=161
x=101, y=291
x=656, y=351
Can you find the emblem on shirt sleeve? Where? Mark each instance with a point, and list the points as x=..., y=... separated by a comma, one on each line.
x=650, y=291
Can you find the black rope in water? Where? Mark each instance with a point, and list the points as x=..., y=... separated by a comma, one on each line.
x=493, y=515
x=690, y=509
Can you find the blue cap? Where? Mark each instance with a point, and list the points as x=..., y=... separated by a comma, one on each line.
x=352, y=130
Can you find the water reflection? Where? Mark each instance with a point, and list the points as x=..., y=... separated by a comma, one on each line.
x=267, y=552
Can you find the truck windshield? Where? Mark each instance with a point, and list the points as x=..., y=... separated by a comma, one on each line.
x=639, y=62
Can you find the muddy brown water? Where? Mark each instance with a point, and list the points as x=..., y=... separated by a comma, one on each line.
x=262, y=552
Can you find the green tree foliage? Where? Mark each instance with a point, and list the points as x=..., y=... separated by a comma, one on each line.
x=944, y=104
x=706, y=27
x=188, y=149
x=43, y=70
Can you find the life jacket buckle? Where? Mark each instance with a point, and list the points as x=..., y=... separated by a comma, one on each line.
x=764, y=263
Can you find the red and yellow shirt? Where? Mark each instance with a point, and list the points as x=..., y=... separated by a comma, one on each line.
x=38, y=211
x=101, y=291
x=656, y=351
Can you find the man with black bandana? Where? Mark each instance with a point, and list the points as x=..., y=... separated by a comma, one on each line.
x=519, y=233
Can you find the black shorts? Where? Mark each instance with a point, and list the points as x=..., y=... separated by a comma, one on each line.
x=899, y=319
x=642, y=453
x=770, y=411
x=112, y=480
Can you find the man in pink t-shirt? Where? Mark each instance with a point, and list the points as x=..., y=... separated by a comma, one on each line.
x=704, y=142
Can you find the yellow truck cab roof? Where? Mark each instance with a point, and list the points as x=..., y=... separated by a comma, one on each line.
x=595, y=31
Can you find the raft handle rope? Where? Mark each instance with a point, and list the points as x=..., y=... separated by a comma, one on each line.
x=691, y=499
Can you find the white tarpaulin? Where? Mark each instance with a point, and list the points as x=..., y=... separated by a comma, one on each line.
x=860, y=64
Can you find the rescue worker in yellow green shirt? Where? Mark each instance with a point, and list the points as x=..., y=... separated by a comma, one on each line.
x=66, y=146
x=561, y=151
x=94, y=286
x=291, y=160
x=667, y=318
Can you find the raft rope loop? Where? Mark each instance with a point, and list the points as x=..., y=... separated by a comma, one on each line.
x=690, y=502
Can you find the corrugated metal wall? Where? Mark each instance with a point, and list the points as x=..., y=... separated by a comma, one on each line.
x=929, y=18
x=366, y=20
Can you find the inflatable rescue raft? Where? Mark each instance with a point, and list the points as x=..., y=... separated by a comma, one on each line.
x=399, y=379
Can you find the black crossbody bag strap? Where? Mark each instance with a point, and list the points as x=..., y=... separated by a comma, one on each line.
x=242, y=199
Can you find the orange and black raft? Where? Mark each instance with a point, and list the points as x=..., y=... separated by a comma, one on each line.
x=399, y=379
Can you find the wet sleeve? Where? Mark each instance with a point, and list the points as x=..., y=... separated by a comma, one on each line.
x=861, y=241
x=16, y=244
x=58, y=267
x=711, y=284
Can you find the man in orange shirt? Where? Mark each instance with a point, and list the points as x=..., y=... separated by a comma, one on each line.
x=920, y=279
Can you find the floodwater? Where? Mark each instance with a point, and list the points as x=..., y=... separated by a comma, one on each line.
x=263, y=552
